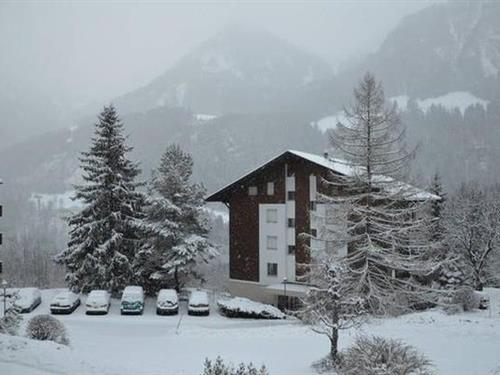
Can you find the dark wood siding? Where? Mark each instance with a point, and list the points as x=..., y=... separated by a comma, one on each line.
x=244, y=222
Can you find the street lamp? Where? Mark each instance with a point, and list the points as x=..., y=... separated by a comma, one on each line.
x=284, y=290
x=4, y=286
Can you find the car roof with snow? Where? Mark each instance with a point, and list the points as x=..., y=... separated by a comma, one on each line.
x=98, y=293
x=198, y=297
x=169, y=294
x=133, y=289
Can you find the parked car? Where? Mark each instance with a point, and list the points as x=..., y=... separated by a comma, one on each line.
x=167, y=302
x=64, y=303
x=98, y=302
x=28, y=299
x=198, y=303
x=132, y=300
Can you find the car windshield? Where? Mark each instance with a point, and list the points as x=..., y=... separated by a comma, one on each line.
x=132, y=296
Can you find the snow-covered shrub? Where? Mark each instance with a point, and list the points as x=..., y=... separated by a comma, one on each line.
x=377, y=355
x=239, y=307
x=219, y=367
x=9, y=324
x=46, y=327
x=464, y=299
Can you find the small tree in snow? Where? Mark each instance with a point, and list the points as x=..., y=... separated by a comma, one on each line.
x=473, y=230
x=176, y=225
x=329, y=307
x=9, y=324
x=104, y=234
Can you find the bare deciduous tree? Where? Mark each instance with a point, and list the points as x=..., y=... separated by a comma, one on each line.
x=473, y=224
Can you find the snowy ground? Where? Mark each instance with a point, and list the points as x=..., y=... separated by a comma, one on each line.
x=459, y=344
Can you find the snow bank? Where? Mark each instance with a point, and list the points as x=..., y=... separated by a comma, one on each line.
x=41, y=357
x=460, y=100
x=244, y=308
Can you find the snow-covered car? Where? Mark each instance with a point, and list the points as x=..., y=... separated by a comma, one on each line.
x=198, y=303
x=27, y=299
x=64, y=303
x=167, y=302
x=132, y=300
x=98, y=302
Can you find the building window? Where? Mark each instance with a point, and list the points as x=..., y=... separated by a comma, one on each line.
x=291, y=223
x=252, y=190
x=270, y=188
x=272, y=269
x=272, y=243
x=291, y=249
x=313, y=205
x=272, y=215
x=314, y=232
x=291, y=196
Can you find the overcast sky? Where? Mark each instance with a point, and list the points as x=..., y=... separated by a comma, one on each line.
x=90, y=51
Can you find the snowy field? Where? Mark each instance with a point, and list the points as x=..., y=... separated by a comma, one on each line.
x=459, y=344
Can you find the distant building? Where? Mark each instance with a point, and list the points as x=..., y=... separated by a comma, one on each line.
x=268, y=210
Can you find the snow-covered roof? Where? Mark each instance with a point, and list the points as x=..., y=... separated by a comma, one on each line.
x=337, y=166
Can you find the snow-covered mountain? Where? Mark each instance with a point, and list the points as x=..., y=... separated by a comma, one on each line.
x=235, y=71
x=453, y=46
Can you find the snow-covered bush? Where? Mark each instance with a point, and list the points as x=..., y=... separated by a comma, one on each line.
x=377, y=355
x=46, y=327
x=239, y=307
x=464, y=299
x=9, y=324
x=219, y=367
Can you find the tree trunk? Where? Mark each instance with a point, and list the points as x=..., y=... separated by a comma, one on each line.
x=176, y=280
x=334, y=344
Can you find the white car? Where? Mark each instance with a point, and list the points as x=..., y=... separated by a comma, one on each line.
x=27, y=299
x=167, y=302
x=98, y=302
x=64, y=303
x=132, y=300
x=198, y=303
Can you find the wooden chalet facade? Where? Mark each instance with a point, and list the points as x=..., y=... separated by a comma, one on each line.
x=269, y=210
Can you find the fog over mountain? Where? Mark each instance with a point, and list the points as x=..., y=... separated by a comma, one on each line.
x=244, y=93
x=62, y=60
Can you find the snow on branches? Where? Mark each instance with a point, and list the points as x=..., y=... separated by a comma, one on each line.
x=104, y=234
x=175, y=224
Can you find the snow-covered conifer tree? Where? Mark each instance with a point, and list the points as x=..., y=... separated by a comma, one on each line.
x=104, y=233
x=385, y=225
x=176, y=225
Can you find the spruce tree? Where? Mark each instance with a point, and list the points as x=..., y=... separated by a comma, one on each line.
x=175, y=223
x=104, y=233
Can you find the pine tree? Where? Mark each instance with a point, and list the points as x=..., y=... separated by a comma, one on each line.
x=176, y=225
x=437, y=207
x=104, y=234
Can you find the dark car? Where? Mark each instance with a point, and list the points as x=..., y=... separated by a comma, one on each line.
x=132, y=300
